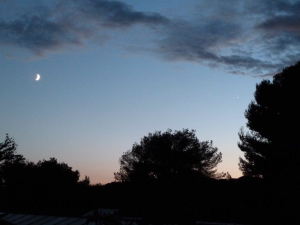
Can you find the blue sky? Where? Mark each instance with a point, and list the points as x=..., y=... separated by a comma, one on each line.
x=111, y=72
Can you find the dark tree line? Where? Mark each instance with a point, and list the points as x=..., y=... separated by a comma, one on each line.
x=47, y=187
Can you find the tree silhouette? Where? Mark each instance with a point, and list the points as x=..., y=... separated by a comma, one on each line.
x=8, y=156
x=51, y=173
x=272, y=147
x=28, y=186
x=8, y=150
x=85, y=182
x=164, y=155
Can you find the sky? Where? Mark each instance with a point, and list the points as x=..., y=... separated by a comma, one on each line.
x=114, y=71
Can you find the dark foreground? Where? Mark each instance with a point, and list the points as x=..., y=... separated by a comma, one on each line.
x=243, y=201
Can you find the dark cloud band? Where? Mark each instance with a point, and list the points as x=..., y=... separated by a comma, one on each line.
x=61, y=27
x=254, y=38
x=117, y=14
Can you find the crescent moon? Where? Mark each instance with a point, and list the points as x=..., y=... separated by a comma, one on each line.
x=38, y=77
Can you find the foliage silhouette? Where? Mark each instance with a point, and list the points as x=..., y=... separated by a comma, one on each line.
x=272, y=148
x=165, y=155
x=48, y=188
x=85, y=182
x=51, y=173
x=53, y=188
x=8, y=156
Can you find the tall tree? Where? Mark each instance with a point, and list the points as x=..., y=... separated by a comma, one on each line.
x=272, y=147
x=163, y=155
x=8, y=156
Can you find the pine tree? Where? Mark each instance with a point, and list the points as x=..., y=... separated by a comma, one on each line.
x=272, y=147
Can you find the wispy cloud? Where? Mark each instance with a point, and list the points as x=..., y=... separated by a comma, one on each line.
x=35, y=33
x=242, y=37
x=114, y=14
x=71, y=23
x=255, y=38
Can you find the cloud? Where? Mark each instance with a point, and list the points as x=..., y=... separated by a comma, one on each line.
x=240, y=37
x=282, y=24
x=210, y=43
x=254, y=38
x=35, y=33
x=281, y=30
x=117, y=14
x=196, y=41
x=71, y=23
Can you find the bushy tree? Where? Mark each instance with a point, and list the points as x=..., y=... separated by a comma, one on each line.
x=27, y=186
x=8, y=156
x=8, y=152
x=52, y=173
x=164, y=155
x=272, y=147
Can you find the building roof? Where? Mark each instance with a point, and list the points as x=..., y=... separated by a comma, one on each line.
x=105, y=212
x=25, y=219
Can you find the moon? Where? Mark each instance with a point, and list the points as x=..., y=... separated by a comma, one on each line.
x=38, y=77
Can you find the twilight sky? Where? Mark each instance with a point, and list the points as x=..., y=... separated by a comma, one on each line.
x=113, y=71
